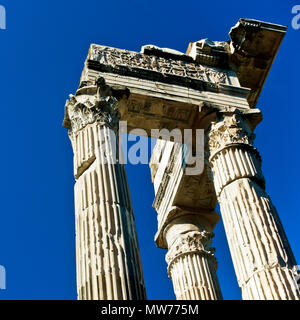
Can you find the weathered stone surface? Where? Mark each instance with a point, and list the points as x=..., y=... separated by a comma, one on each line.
x=185, y=207
x=249, y=54
x=107, y=252
x=153, y=65
x=253, y=48
x=214, y=86
x=191, y=262
x=260, y=251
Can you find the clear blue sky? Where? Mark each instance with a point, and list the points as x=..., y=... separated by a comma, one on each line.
x=41, y=58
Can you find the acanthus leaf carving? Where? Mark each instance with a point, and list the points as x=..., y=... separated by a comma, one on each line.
x=230, y=128
x=192, y=242
x=92, y=103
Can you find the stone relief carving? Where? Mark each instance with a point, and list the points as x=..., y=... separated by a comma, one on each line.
x=85, y=110
x=230, y=129
x=118, y=57
x=96, y=102
x=191, y=242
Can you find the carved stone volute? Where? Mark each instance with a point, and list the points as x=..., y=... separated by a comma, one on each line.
x=94, y=102
x=192, y=242
x=229, y=128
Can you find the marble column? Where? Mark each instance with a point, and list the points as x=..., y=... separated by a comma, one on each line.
x=107, y=252
x=191, y=262
x=261, y=254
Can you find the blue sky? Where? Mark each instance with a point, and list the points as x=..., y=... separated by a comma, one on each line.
x=41, y=58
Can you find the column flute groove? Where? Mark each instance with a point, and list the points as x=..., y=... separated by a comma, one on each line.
x=191, y=262
x=261, y=254
x=107, y=251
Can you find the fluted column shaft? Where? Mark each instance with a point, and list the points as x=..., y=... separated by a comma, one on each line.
x=107, y=252
x=261, y=254
x=191, y=262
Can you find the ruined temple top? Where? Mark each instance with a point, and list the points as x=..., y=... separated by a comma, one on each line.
x=248, y=56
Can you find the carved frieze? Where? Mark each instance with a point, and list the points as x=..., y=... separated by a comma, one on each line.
x=117, y=57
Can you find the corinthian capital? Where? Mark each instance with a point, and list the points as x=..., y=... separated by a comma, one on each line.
x=230, y=128
x=94, y=102
x=197, y=242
